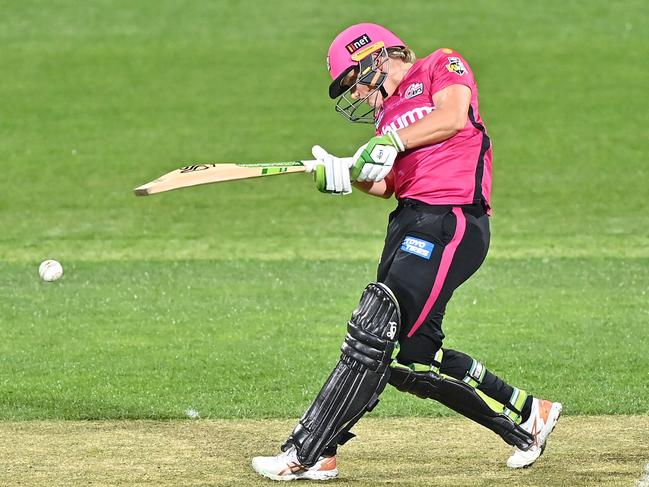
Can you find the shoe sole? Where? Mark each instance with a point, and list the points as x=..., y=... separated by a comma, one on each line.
x=322, y=475
x=553, y=419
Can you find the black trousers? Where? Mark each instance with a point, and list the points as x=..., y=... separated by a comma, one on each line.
x=429, y=251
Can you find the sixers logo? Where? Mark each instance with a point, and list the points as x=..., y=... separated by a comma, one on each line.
x=455, y=65
x=413, y=90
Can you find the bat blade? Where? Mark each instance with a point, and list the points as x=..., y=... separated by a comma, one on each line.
x=196, y=174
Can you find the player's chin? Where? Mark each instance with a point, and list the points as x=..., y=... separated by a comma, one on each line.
x=376, y=102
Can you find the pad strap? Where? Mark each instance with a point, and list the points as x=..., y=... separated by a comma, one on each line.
x=515, y=405
x=475, y=374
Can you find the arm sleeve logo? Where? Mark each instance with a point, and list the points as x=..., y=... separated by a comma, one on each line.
x=455, y=65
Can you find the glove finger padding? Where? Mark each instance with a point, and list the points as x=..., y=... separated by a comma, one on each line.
x=338, y=177
x=342, y=183
x=385, y=170
x=347, y=184
x=375, y=170
x=365, y=172
x=319, y=153
x=331, y=173
x=359, y=162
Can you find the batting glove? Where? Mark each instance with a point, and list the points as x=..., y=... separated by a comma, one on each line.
x=331, y=173
x=373, y=161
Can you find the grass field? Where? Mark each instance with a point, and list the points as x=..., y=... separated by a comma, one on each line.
x=232, y=299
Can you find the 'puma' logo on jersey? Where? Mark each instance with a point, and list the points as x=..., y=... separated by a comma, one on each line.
x=407, y=118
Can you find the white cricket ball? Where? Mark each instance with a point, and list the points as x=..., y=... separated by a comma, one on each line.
x=192, y=414
x=50, y=270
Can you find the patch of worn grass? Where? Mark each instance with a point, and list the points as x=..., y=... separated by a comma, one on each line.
x=583, y=451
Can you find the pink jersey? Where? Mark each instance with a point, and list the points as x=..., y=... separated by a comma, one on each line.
x=456, y=171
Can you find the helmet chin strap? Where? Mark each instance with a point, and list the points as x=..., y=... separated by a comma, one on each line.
x=383, y=92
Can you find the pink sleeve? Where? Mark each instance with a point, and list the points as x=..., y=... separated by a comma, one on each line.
x=449, y=68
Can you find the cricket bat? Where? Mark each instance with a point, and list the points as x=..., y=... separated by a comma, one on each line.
x=196, y=174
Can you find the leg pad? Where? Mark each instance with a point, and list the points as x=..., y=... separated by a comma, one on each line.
x=358, y=379
x=462, y=398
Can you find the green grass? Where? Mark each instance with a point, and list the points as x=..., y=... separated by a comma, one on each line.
x=257, y=338
x=232, y=299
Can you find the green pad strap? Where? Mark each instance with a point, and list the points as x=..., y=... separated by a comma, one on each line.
x=475, y=375
x=512, y=409
x=415, y=367
x=515, y=405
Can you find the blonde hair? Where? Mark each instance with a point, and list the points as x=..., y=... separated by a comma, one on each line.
x=405, y=54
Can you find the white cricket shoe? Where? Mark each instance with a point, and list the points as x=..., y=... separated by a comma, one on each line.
x=542, y=420
x=286, y=466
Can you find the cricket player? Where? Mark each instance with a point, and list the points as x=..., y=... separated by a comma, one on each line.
x=431, y=151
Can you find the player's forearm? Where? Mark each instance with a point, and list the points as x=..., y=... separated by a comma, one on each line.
x=380, y=189
x=435, y=127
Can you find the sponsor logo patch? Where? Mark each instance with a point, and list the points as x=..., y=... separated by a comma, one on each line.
x=196, y=167
x=413, y=90
x=407, y=118
x=455, y=65
x=357, y=43
x=418, y=247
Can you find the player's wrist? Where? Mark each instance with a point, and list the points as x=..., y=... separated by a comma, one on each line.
x=395, y=140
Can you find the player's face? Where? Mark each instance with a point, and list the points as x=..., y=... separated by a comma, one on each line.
x=369, y=94
x=364, y=91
